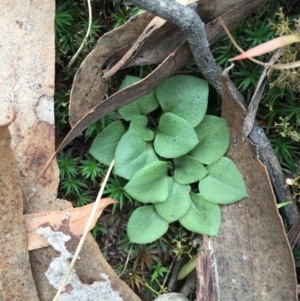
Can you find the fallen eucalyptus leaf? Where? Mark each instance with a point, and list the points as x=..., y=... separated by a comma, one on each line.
x=77, y=221
x=268, y=47
x=89, y=86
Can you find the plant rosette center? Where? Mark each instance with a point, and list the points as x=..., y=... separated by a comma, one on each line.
x=172, y=155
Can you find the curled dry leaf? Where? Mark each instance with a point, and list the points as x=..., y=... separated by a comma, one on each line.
x=89, y=86
x=77, y=219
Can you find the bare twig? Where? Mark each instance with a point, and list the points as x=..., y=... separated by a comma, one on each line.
x=150, y=28
x=127, y=260
x=253, y=106
x=86, y=231
x=85, y=38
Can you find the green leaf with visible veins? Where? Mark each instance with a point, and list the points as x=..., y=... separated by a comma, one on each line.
x=138, y=125
x=150, y=184
x=104, y=145
x=175, y=136
x=132, y=154
x=185, y=96
x=177, y=203
x=188, y=170
x=203, y=217
x=213, y=138
x=223, y=184
x=145, y=225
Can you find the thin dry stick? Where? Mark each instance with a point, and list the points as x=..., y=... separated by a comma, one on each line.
x=235, y=43
x=168, y=273
x=127, y=260
x=85, y=38
x=136, y=45
x=253, y=106
x=86, y=230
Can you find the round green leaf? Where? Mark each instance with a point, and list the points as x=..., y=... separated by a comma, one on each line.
x=138, y=125
x=175, y=136
x=142, y=106
x=203, y=217
x=150, y=184
x=185, y=96
x=145, y=225
x=104, y=145
x=213, y=138
x=132, y=154
x=224, y=184
x=177, y=203
x=188, y=170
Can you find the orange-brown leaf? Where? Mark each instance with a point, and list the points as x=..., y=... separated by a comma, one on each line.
x=77, y=221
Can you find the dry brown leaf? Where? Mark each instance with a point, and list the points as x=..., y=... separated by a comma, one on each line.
x=153, y=26
x=77, y=219
x=89, y=86
x=254, y=259
x=16, y=280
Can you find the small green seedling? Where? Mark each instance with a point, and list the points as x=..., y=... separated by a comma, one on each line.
x=172, y=155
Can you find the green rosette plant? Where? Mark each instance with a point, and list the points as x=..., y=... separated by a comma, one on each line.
x=172, y=155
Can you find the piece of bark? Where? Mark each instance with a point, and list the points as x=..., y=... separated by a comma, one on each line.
x=16, y=280
x=254, y=260
x=207, y=288
x=27, y=61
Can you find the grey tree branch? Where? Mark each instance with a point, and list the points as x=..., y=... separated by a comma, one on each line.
x=186, y=18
